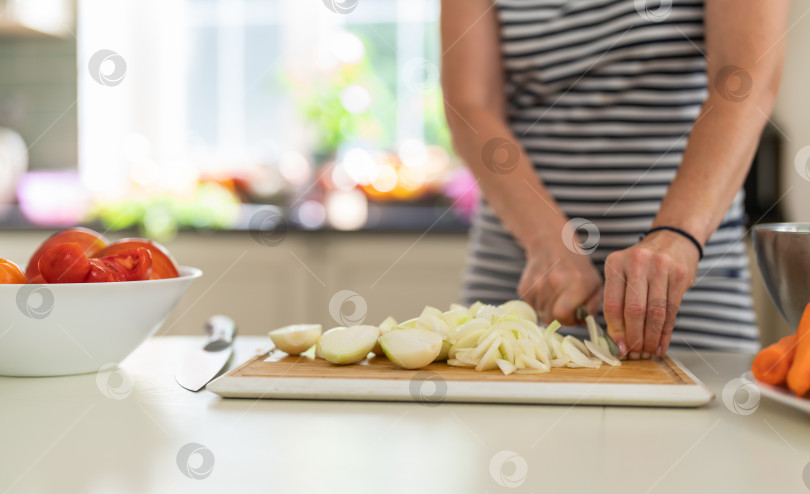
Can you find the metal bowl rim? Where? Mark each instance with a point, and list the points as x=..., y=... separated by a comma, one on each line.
x=786, y=227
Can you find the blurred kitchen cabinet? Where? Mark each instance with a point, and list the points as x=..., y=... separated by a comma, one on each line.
x=395, y=274
x=260, y=287
x=263, y=287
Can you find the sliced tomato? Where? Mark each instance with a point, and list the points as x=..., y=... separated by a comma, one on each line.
x=37, y=280
x=130, y=265
x=64, y=263
x=99, y=273
x=163, y=266
x=89, y=241
x=10, y=273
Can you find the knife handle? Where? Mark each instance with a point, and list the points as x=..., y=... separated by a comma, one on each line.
x=221, y=330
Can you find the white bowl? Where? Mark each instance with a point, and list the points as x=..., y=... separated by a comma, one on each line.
x=61, y=329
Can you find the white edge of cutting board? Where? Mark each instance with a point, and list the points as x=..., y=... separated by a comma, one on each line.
x=668, y=395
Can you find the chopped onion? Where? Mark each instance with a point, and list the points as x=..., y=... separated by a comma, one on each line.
x=520, y=308
x=506, y=366
x=434, y=323
x=600, y=353
x=387, y=325
x=296, y=338
x=456, y=317
x=578, y=358
x=474, y=308
x=318, y=352
x=411, y=348
x=488, y=312
x=348, y=345
x=485, y=337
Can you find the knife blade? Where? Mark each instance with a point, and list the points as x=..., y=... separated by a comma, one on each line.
x=197, y=367
x=594, y=329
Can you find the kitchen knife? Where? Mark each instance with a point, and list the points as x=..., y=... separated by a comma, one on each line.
x=595, y=329
x=196, y=368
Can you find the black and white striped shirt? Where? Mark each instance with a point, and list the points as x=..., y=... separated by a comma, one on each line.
x=602, y=94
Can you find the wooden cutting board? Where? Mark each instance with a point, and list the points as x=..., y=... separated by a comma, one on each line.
x=655, y=382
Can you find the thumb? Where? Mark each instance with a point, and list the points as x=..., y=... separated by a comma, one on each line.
x=566, y=304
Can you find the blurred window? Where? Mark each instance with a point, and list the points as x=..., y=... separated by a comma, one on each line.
x=189, y=85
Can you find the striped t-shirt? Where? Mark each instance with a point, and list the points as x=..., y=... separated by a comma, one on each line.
x=602, y=95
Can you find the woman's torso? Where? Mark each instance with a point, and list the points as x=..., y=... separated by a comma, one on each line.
x=602, y=94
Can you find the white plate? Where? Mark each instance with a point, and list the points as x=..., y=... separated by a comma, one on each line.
x=779, y=394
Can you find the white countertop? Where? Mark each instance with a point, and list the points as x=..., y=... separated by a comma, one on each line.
x=123, y=432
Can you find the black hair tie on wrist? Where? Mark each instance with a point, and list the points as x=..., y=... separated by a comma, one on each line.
x=680, y=232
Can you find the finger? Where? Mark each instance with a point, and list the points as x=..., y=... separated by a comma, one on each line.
x=675, y=291
x=544, y=312
x=566, y=303
x=545, y=300
x=615, y=286
x=656, y=312
x=635, y=310
x=594, y=301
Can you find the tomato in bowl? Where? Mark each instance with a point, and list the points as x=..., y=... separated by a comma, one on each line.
x=83, y=303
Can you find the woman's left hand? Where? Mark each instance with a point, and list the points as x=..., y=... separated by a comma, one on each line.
x=644, y=286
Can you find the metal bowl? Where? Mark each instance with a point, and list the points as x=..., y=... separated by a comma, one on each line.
x=783, y=256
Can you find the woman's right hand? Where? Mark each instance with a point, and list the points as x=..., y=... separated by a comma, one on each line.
x=556, y=281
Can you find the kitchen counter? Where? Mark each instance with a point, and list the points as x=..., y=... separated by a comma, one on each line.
x=129, y=431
